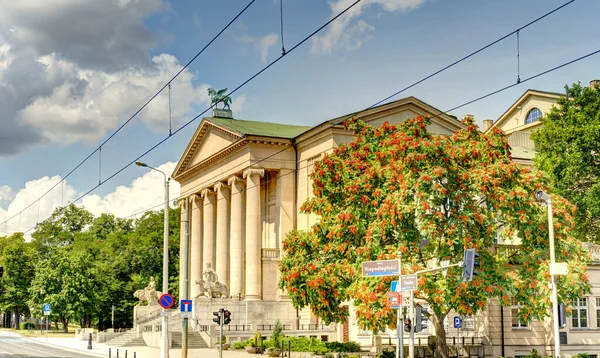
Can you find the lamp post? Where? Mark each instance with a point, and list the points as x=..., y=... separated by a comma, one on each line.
x=164, y=342
x=540, y=195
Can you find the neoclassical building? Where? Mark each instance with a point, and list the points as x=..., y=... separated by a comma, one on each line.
x=242, y=185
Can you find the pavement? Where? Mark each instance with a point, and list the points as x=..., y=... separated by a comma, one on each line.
x=74, y=347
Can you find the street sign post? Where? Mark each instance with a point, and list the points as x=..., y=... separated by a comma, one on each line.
x=409, y=283
x=166, y=301
x=46, y=309
x=457, y=322
x=457, y=325
x=394, y=300
x=380, y=268
x=185, y=307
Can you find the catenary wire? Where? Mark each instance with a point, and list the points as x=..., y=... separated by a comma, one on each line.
x=293, y=171
x=99, y=148
x=283, y=53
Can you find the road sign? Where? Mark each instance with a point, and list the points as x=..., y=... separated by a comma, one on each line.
x=166, y=300
x=380, y=268
x=409, y=282
x=185, y=306
x=457, y=322
x=46, y=309
x=394, y=300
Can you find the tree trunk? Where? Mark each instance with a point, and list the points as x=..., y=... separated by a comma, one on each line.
x=441, y=349
x=17, y=320
x=65, y=323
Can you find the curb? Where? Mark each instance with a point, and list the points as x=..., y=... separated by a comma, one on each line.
x=65, y=348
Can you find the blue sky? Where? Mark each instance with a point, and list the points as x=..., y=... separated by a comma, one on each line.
x=377, y=52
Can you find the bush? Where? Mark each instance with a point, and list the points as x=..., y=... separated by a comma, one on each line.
x=27, y=325
x=277, y=333
x=341, y=347
x=387, y=354
x=240, y=344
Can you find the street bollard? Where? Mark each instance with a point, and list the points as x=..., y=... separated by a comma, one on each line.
x=134, y=354
x=126, y=353
x=117, y=353
x=90, y=342
x=109, y=353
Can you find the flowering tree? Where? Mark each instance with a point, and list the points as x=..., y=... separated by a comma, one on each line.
x=429, y=197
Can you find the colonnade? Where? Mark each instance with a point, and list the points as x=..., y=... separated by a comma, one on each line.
x=225, y=223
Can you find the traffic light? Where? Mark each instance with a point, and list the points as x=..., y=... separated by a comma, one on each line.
x=418, y=318
x=470, y=263
x=562, y=315
x=1, y=271
x=407, y=325
x=217, y=319
x=226, y=317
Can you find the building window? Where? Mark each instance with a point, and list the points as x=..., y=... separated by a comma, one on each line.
x=533, y=116
x=515, y=307
x=579, y=317
x=597, y=312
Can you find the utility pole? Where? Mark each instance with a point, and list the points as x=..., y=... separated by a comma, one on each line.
x=184, y=321
x=399, y=321
x=411, y=316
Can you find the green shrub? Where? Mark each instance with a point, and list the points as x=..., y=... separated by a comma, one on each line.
x=341, y=347
x=240, y=344
x=277, y=333
x=582, y=355
x=27, y=325
x=387, y=354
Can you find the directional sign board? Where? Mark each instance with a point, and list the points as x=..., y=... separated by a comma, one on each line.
x=394, y=300
x=457, y=322
x=185, y=307
x=166, y=300
x=380, y=268
x=46, y=309
x=409, y=283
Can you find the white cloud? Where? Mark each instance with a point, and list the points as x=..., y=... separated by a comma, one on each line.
x=261, y=43
x=142, y=193
x=349, y=34
x=74, y=70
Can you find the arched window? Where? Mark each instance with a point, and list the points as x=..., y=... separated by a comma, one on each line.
x=534, y=115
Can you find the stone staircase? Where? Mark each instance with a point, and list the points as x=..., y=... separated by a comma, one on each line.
x=127, y=339
x=195, y=340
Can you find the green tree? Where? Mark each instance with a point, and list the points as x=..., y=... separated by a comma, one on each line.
x=67, y=280
x=60, y=228
x=568, y=146
x=18, y=259
x=401, y=189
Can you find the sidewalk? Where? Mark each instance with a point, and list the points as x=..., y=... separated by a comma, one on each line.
x=101, y=349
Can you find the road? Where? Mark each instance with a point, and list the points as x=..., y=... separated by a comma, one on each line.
x=14, y=346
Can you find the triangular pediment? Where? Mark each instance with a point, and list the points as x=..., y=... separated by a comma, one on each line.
x=208, y=140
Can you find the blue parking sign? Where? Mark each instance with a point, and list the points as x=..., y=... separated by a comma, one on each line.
x=457, y=322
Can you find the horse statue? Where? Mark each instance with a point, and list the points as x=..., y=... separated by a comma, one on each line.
x=219, y=96
x=141, y=295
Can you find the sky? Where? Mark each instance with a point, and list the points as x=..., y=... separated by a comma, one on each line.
x=73, y=71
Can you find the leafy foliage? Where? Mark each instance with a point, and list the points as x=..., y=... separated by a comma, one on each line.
x=401, y=189
x=569, y=151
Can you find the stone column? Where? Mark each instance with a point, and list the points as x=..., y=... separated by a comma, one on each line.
x=285, y=214
x=182, y=229
x=222, y=233
x=236, y=248
x=208, y=211
x=253, y=234
x=196, y=245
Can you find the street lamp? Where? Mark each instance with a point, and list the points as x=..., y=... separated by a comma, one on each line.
x=164, y=343
x=540, y=195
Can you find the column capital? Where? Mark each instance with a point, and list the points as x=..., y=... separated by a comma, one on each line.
x=206, y=192
x=253, y=171
x=234, y=180
x=195, y=198
x=181, y=203
x=220, y=185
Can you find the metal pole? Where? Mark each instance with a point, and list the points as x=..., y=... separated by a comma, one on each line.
x=185, y=291
x=46, y=328
x=222, y=318
x=399, y=330
x=411, y=315
x=164, y=346
x=458, y=343
x=554, y=293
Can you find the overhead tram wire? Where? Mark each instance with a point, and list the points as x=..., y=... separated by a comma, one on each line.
x=210, y=107
x=192, y=190
x=373, y=105
x=168, y=84
x=304, y=40
x=472, y=54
